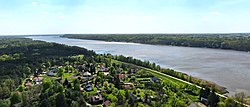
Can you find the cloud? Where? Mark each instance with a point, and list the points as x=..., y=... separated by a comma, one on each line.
x=44, y=12
x=205, y=18
x=34, y=3
x=211, y=15
x=43, y=5
x=61, y=15
x=214, y=13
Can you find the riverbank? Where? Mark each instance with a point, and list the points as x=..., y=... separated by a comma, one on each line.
x=239, y=42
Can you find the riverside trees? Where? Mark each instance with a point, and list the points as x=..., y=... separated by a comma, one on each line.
x=234, y=41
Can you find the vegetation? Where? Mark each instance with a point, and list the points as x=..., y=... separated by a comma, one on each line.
x=171, y=72
x=240, y=42
x=41, y=74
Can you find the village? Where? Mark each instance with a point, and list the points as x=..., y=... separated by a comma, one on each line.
x=102, y=85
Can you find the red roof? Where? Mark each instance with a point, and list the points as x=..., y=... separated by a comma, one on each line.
x=121, y=76
x=28, y=84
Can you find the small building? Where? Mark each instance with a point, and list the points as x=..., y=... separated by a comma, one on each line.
x=96, y=99
x=52, y=73
x=121, y=76
x=106, y=73
x=128, y=85
x=132, y=71
x=106, y=103
x=87, y=74
x=101, y=91
x=103, y=69
x=155, y=80
x=204, y=100
x=88, y=87
x=28, y=84
x=44, y=73
x=37, y=79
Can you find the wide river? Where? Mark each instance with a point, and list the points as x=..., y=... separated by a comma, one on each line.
x=227, y=68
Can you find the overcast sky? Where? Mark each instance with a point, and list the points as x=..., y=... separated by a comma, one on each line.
x=124, y=16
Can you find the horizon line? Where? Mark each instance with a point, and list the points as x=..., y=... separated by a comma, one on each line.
x=114, y=34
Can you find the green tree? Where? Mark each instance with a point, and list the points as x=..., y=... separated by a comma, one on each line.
x=112, y=98
x=4, y=103
x=48, y=64
x=240, y=97
x=66, y=82
x=20, y=88
x=45, y=103
x=127, y=94
x=4, y=92
x=82, y=101
x=61, y=100
x=229, y=102
x=76, y=83
x=75, y=104
x=25, y=99
x=10, y=84
x=15, y=98
x=121, y=97
x=112, y=71
x=213, y=99
x=46, y=85
x=27, y=70
x=60, y=74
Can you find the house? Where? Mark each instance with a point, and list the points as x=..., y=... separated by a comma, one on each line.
x=88, y=87
x=81, y=89
x=101, y=91
x=204, y=100
x=87, y=74
x=155, y=80
x=146, y=99
x=121, y=76
x=106, y=73
x=132, y=71
x=28, y=84
x=103, y=69
x=43, y=72
x=37, y=79
x=128, y=85
x=52, y=73
x=96, y=99
x=106, y=103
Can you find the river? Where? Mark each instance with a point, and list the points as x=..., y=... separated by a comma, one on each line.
x=227, y=68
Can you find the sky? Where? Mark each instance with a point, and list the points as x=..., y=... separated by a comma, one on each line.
x=123, y=16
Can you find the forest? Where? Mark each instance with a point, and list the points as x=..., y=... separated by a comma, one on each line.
x=234, y=41
x=42, y=74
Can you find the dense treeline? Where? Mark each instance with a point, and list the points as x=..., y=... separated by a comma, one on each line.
x=21, y=57
x=32, y=53
x=240, y=42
